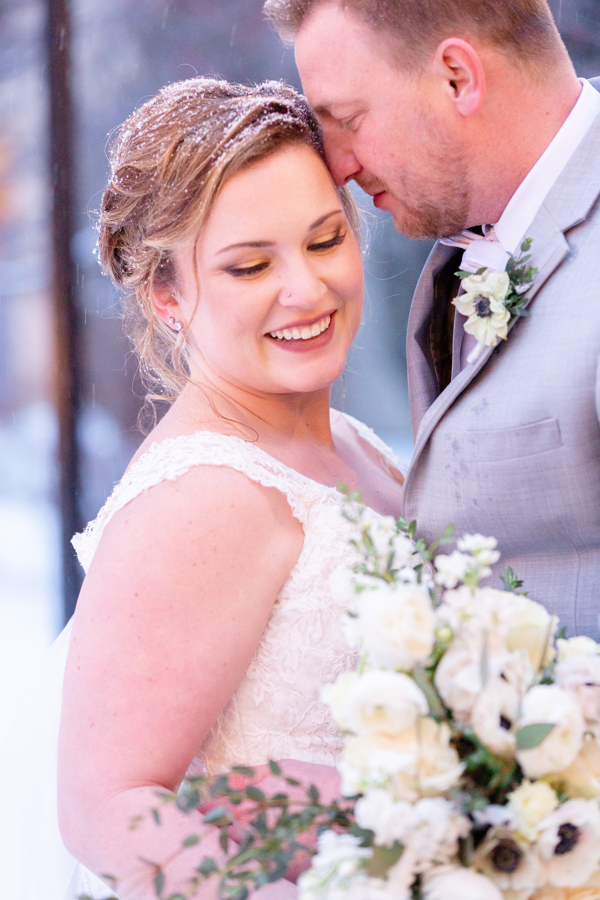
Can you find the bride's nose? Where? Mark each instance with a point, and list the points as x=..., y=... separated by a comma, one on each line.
x=302, y=287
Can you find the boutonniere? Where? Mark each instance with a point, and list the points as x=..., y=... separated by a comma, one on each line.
x=493, y=298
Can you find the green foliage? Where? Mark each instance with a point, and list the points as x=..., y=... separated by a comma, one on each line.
x=531, y=736
x=510, y=581
x=383, y=859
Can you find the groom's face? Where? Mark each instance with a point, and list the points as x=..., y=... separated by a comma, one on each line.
x=388, y=130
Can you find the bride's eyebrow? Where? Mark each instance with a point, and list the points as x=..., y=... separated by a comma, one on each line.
x=255, y=244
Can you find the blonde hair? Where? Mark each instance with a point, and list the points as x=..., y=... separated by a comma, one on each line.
x=169, y=161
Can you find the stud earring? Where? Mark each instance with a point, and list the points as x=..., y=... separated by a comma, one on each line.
x=176, y=326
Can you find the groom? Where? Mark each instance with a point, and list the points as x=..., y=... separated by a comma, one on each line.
x=469, y=116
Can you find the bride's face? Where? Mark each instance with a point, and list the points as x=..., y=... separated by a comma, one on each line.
x=278, y=273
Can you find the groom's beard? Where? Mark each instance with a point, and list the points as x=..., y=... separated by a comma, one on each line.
x=431, y=200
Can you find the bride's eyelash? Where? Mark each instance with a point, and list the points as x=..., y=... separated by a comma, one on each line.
x=332, y=242
x=241, y=271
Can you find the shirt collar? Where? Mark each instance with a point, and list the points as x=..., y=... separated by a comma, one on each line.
x=525, y=203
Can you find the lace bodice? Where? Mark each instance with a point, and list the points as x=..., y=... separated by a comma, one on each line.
x=276, y=712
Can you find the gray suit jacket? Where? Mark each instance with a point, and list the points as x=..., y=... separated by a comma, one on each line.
x=511, y=447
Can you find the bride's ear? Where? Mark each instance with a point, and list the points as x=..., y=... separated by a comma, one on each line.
x=167, y=306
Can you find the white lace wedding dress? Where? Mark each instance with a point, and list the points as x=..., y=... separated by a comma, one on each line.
x=275, y=713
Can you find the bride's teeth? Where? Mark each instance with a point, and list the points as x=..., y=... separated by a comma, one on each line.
x=302, y=334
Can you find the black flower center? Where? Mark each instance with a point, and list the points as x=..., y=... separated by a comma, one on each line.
x=568, y=838
x=506, y=856
x=505, y=723
x=482, y=306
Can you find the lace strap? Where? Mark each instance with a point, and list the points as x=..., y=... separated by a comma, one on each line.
x=173, y=457
x=368, y=435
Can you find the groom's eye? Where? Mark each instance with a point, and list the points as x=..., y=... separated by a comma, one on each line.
x=329, y=243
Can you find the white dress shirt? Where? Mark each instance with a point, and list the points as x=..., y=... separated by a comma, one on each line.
x=525, y=203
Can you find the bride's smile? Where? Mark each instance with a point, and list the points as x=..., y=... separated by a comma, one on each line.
x=271, y=293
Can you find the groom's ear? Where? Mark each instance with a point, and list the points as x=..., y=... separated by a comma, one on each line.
x=459, y=68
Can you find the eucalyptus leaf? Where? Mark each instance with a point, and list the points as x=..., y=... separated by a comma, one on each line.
x=159, y=883
x=207, y=866
x=531, y=736
x=191, y=840
x=244, y=770
x=383, y=859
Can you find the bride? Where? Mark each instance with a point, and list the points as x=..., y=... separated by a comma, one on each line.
x=205, y=627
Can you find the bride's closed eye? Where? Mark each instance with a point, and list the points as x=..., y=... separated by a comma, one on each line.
x=328, y=243
x=247, y=271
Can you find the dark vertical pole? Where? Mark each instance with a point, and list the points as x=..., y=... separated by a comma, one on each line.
x=68, y=381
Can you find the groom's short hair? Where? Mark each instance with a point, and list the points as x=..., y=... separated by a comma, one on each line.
x=524, y=27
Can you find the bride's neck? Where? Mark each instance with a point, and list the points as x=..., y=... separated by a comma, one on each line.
x=275, y=418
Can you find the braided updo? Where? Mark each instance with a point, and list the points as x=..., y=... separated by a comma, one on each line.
x=168, y=162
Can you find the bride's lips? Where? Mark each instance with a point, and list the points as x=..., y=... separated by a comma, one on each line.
x=299, y=345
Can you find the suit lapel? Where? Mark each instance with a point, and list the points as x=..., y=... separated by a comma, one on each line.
x=567, y=205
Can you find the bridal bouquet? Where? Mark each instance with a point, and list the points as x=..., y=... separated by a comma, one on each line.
x=473, y=733
x=471, y=769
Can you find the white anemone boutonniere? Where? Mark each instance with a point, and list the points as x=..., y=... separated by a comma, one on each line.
x=492, y=298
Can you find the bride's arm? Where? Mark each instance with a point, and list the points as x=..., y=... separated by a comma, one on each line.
x=174, y=605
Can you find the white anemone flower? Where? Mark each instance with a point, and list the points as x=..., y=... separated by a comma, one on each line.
x=483, y=304
x=569, y=843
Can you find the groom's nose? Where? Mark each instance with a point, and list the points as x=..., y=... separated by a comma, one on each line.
x=341, y=161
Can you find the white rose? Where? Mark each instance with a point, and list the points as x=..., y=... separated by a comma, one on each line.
x=376, y=702
x=549, y=703
x=569, y=843
x=459, y=676
x=458, y=883
x=532, y=628
x=336, y=695
x=582, y=778
x=531, y=802
x=416, y=763
x=497, y=705
x=395, y=625
x=576, y=646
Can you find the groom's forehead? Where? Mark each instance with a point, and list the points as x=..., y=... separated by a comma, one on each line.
x=336, y=53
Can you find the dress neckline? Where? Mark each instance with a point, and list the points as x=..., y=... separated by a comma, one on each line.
x=363, y=431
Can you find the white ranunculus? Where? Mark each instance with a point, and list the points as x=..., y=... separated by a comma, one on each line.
x=580, y=675
x=494, y=711
x=394, y=624
x=549, y=703
x=452, y=568
x=532, y=628
x=576, y=646
x=458, y=883
x=569, y=843
x=371, y=761
x=531, y=802
x=376, y=702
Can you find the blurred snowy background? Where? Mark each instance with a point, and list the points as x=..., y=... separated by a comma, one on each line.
x=122, y=51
